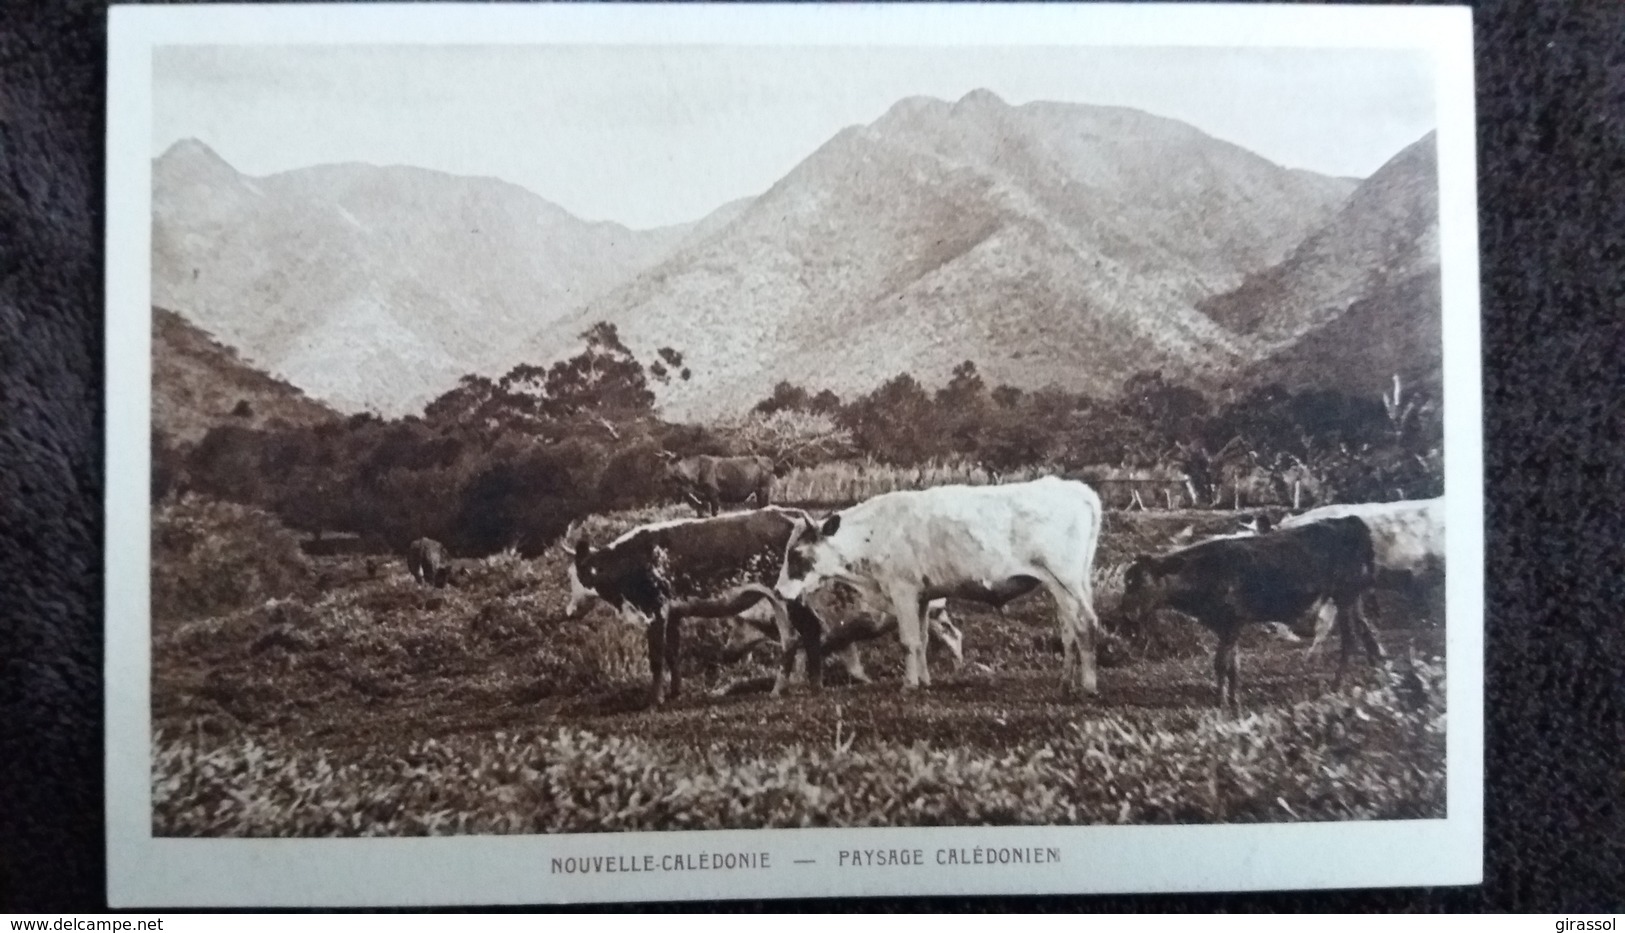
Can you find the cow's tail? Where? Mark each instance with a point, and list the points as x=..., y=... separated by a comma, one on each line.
x=774, y=600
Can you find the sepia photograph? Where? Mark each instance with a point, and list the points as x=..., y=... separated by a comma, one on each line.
x=599, y=436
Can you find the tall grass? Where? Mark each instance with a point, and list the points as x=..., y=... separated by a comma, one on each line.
x=1369, y=753
x=842, y=482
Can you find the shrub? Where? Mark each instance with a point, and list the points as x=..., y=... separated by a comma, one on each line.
x=211, y=557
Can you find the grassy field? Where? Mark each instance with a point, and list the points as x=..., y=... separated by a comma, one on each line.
x=368, y=705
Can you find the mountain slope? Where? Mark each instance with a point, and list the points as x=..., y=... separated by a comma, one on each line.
x=1359, y=301
x=378, y=286
x=1050, y=243
x=1394, y=330
x=197, y=383
x=1387, y=233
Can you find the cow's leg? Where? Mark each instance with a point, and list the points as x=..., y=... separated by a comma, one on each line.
x=657, y=656
x=1088, y=631
x=787, y=645
x=1226, y=671
x=922, y=621
x=1076, y=621
x=1352, y=623
x=1368, y=636
x=852, y=660
x=1345, y=635
x=1322, y=627
x=1232, y=671
x=810, y=635
x=906, y=606
x=674, y=640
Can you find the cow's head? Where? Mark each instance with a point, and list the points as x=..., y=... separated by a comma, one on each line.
x=583, y=572
x=678, y=472
x=812, y=558
x=941, y=625
x=1145, y=584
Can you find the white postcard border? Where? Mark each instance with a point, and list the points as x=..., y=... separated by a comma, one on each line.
x=144, y=871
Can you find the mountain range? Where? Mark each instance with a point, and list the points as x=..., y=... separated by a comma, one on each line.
x=1050, y=243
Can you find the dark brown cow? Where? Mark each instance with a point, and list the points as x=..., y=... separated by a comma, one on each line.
x=1228, y=582
x=709, y=483
x=664, y=572
x=427, y=561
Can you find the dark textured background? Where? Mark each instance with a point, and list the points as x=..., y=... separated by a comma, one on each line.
x=1551, y=116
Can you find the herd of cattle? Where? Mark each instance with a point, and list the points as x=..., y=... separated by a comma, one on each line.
x=906, y=553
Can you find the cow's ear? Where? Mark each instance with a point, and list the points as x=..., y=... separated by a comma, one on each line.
x=583, y=549
x=831, y=525
x=1262, y=524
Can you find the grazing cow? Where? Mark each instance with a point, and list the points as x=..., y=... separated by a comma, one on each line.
x=987, y=544
x=662, y=573
x=842, y=640
x=427, y=561
x=709, y=483
x=1228, y=582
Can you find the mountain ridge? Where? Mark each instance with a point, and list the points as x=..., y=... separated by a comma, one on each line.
x=933, y=210
x=378, y=287
x=1050, y=243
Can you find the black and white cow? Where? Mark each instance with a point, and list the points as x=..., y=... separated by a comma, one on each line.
x=987, y=544
x=661, y=573
x=1227, y=583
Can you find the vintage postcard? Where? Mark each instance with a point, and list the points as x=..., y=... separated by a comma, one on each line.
x=642, y=452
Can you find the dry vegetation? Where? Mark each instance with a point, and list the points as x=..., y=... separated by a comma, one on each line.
x=843, y=481
x=373, y=706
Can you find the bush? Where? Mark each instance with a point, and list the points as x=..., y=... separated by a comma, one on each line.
x=211, y=557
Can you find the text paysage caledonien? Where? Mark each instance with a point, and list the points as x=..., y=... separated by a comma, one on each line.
x=844, y=858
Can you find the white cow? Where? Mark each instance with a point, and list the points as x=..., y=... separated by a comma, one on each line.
x=1407, y=539
x=989, y=544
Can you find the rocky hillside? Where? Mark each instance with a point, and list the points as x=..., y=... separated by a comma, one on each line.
x=1358, y=301
x=198, y=383
x=378, y=286
x=1050, y=243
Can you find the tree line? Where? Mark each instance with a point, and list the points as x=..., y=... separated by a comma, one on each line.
x=512, y=461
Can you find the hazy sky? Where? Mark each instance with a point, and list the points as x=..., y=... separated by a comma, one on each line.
x=657, y=135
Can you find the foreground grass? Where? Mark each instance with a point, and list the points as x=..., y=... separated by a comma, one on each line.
x=1373, y=752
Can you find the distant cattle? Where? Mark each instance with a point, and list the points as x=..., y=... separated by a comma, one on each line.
x=661, y=573
x=709, y=483
x=842, y=639
x=426, y=560
x=1229, y=582
x=988, y=544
